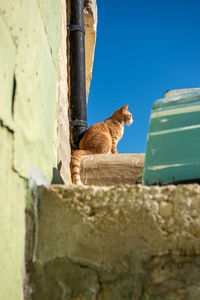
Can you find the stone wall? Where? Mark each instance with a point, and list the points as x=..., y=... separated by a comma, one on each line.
x=116, y=243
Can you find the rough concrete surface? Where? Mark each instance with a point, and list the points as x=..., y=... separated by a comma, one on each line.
x=130, y=242
x=109, y=169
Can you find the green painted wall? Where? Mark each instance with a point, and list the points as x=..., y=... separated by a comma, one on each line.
x=12, y=222
x=29, y=39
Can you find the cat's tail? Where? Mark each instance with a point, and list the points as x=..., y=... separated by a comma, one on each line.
x=76, y=165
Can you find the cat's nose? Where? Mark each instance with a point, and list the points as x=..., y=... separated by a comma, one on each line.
x=131, y=121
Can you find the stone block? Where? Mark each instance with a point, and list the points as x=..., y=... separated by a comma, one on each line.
x=129, y=245
x=109, y=169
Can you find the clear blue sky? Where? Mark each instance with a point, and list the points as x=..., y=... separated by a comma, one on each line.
x=143, y=49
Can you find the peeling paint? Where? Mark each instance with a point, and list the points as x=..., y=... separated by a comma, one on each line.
x=174, y=130
x=175, y=111
x=36, y=179
x=154, y=168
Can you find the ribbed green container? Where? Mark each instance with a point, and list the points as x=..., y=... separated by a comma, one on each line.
x=173, y=143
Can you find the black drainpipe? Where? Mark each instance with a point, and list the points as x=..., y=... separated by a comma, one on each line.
x=78, y=112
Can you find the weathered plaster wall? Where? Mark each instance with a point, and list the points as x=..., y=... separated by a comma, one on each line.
x=133, y=242
x=32, y=110
x=34, y=132
x=30, y=74
x=12, y=220
x=64, y=149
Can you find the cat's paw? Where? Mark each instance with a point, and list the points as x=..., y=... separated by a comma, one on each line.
x=78, y=182
x=114, y=152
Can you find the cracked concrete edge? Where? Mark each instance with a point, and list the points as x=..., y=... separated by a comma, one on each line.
x=154, y=220
x=125, y=240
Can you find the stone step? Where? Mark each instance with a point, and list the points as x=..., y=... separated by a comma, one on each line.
x=115, y=243
x=112, y=169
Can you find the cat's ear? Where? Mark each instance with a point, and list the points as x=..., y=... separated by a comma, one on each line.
x=125, y=107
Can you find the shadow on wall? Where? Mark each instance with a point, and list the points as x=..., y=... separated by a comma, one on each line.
x=56, y=178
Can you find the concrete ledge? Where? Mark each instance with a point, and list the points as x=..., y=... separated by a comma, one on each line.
x=132, y=242
x=112, y=169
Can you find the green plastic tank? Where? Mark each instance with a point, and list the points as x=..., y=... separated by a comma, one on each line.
x=173, y=142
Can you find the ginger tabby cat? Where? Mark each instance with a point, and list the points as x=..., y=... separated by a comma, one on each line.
x=101, y=138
